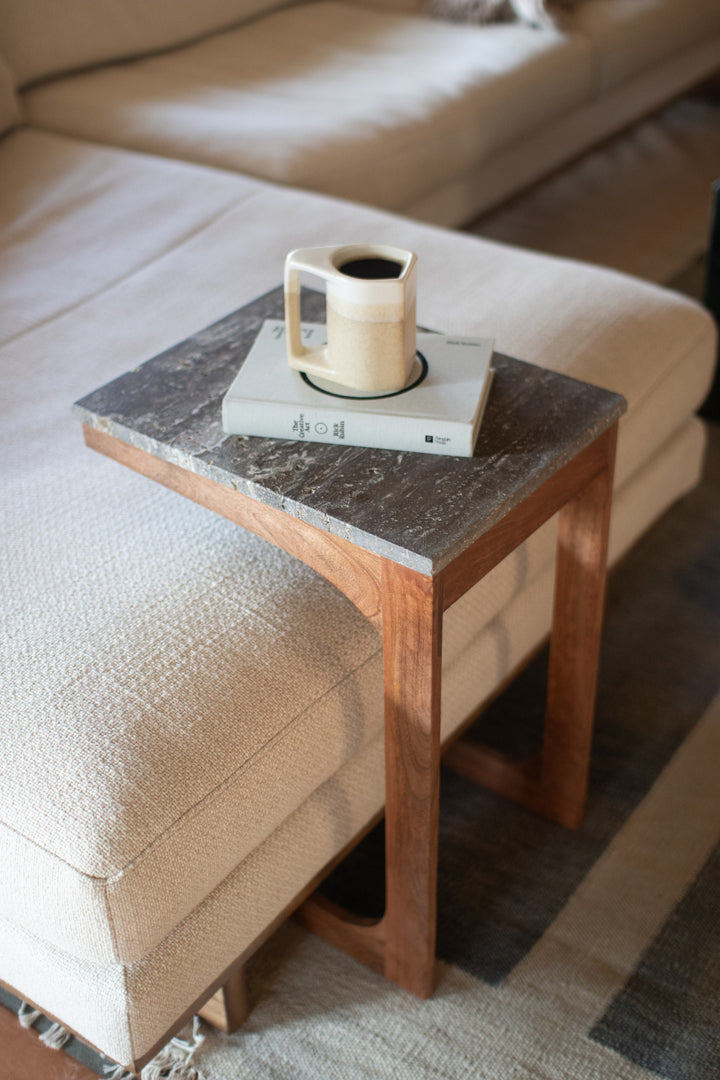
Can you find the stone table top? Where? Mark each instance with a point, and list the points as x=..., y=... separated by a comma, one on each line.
x=420, y=510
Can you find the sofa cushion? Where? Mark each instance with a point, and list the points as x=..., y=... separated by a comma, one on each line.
x=630, y=36
x=41, y=37
x=161, y=667
x=335, y=97
x=9, y=109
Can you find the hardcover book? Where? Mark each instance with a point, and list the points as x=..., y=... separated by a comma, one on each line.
x=438, y=412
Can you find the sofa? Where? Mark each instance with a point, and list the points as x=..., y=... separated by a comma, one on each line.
x=192, y=720
x=369, y=100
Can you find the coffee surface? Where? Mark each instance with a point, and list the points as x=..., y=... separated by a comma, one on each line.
x=372, y=269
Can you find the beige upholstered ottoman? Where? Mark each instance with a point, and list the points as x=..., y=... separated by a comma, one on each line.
x=191, y=720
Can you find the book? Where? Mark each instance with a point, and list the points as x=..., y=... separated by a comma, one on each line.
x=439, y=412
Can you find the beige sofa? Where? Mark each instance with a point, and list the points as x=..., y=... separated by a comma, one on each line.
x=366, y=100
x=186, y=743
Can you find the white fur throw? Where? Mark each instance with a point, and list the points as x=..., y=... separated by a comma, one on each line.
x=538, y=13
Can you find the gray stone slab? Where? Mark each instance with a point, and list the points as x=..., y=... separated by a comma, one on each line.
x=420, y=510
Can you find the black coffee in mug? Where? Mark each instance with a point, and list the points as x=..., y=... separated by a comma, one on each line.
x=372, y=269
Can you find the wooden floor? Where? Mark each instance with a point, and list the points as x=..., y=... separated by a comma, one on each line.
x=24, y=1057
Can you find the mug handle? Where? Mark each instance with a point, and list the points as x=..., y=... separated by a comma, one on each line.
x=312, y=261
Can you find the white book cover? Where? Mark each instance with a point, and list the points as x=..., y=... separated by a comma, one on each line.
x=439, y=412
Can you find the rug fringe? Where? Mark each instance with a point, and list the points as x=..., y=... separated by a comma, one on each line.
x=117, y=1072
x=55, y=1037
x=27, y=1015
x=173, y=1061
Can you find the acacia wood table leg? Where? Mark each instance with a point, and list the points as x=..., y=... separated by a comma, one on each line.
x=555, y=785
x=412, y=622
x=359, y=937
x=580, y=579
x=402, y=944
x=227, y=1009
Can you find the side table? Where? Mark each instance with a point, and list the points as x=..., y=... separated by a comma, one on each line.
x=547, y=444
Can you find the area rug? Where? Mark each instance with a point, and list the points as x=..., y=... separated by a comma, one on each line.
x=564, y=955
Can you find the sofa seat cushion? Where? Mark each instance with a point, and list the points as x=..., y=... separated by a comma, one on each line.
x=335, y=97
x=630, y=36
x=161, y=668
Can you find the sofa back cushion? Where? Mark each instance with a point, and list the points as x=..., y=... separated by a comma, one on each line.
x=9, y=112
x=46, y=37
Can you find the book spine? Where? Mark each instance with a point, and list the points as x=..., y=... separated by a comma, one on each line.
x=278, y=421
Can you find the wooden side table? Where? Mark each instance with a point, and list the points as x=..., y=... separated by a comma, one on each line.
x=404, y=536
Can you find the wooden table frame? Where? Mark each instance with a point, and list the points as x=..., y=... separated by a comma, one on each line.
x=408, y=607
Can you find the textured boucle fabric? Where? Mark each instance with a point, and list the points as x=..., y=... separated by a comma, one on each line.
x=161, y=669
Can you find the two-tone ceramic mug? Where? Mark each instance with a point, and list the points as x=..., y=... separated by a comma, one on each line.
x=371, y=311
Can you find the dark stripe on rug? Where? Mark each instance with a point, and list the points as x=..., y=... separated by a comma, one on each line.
x=666, y=1018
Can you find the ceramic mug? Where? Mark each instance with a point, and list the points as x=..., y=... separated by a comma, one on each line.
x=371, y=305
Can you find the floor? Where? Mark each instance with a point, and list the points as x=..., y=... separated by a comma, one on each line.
x=24, y=1057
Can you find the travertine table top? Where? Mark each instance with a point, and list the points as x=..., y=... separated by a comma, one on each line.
x=420, y=510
